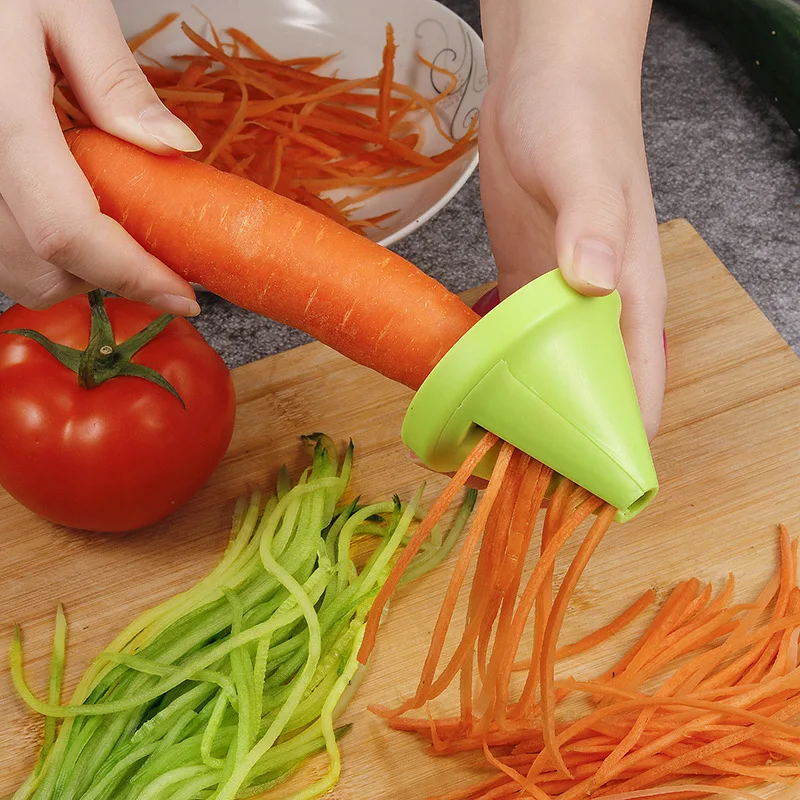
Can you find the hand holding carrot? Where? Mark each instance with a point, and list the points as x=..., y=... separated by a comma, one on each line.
x=54, y=242
x=563, y=170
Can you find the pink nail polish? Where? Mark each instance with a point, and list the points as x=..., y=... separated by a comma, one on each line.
x=483, y=305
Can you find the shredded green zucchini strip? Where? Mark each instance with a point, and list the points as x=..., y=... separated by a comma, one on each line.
x=225, y=690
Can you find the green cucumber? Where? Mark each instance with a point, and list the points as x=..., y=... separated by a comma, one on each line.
x=765, y=35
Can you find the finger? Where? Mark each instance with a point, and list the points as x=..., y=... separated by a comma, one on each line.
x=591, y=232
x=88, y=44
x=519, y=220
x=47, y=193
x=644, y=301
x=25, y=277
x=583, y=178
x=607, y=237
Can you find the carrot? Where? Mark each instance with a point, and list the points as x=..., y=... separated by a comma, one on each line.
x=652, y=775
x=298, y=136
x=667, y=689
x=451, y=76
x=161, y=77
x=652, y=631
x=196, y=69
x=529, y=788
x=181, y=95
x=270, y=255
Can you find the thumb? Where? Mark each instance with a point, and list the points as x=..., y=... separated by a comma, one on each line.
x=110, y=86
x=602, y=244
x=591, y=232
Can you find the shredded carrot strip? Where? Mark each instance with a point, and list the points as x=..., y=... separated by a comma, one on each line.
x=189, y=95
x=162, y=76
x=136, y=42
x=236, y=124
x=488, y=584
x=502, y=663
x=386, y=81
x=686, y=792
x=537, y=480
x=422, y=532
x=194, y=72
x=601, y=635
x=448, y=606
x=724, y=714
x=544, y=599
x=277, y=160
x=297, y=136
x=250, y=44
x=452, y=77
x=554, y=622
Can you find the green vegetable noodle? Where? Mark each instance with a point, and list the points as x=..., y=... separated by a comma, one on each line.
x=225, y=690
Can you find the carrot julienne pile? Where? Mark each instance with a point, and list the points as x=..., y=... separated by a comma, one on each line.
x=283, y=125
x=705, y=704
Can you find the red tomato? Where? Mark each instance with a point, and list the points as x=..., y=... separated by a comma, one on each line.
x=121, y=455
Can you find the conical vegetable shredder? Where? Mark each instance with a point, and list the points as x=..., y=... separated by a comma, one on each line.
x=545, y=370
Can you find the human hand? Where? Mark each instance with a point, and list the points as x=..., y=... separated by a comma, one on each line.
x=54, y=242
x=564, y=177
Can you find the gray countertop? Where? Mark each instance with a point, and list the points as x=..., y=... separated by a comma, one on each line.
x=719, y=155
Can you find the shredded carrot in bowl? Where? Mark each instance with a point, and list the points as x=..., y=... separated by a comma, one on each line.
x=283, y=125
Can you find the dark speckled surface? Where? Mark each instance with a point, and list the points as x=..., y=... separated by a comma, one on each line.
x=719, y=155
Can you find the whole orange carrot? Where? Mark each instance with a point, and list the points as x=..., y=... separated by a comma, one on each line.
x=273, y=256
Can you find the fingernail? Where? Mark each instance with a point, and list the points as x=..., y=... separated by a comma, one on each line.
x=167, y=129
x=176, y=304
x=596, y=264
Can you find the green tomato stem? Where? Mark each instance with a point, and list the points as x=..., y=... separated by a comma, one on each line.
x=104, y=359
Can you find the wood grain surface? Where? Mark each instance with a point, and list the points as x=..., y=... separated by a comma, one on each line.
x=728, y=458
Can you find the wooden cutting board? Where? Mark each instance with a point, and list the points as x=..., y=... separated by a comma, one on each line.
x=728, y=458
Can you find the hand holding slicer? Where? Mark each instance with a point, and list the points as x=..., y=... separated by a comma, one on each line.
x=545, y=370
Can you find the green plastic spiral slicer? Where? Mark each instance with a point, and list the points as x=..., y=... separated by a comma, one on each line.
x=545, y=370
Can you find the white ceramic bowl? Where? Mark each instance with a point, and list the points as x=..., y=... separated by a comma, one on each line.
x=356, y=28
